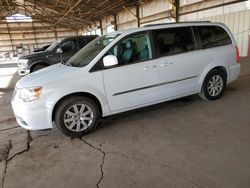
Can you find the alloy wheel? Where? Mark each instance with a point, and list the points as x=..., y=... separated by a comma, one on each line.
x=215, y=85
x=78, y=117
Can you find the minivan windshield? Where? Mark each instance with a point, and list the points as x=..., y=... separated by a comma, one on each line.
x=90, y=51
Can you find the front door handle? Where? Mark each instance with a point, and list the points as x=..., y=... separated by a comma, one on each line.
x=166, y=64
x=150, y=67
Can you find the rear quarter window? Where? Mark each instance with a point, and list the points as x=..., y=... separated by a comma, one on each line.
x=212, y=36
x=173, y=41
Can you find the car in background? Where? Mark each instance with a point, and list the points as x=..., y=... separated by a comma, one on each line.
x=126, y=70
x=42, y=48
x=59, y=51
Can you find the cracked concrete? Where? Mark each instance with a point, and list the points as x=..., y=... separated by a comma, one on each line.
x=102, y=162
x=61, y=162
x=181, y=144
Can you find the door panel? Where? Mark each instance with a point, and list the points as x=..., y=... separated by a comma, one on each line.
x=179, y=63
x=131, y=85
x=179, y=74
x=133, y=82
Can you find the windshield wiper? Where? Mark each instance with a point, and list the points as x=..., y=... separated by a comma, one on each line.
x=67, y=63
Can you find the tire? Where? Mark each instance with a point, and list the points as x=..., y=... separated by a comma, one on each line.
x=37, y=67
x=70, y=119
x=214, y=85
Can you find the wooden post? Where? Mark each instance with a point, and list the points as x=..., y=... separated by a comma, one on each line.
x=177, y=8
x=101, y=27
x=115, y=22
x=11, y=42
x=138, y=16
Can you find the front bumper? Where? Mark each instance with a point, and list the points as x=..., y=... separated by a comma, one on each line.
x=32, y=115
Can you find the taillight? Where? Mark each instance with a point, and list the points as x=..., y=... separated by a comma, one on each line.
x=237, y=55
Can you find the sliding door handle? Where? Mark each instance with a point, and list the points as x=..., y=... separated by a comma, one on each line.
x=150, y=67
x=166, y=64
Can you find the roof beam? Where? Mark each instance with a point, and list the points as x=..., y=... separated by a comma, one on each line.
x=60, y=19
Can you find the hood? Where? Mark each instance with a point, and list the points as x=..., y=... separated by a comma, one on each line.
x=36, y=54
x=51, y=74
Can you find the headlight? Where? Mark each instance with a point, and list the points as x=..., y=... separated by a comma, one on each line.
x=30, y=94
x=22, y=62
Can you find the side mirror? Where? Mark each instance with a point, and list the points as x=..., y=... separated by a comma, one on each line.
x=110, y=60
x=59, y=50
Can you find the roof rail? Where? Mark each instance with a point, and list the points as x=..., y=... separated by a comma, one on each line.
x=176, y=23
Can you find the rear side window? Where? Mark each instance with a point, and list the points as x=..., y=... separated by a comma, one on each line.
x=212, y=36
x=174, y=41
x=83, y=41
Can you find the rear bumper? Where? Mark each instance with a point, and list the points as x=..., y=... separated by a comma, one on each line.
x=234, y=72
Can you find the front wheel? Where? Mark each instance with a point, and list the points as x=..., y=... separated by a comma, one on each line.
x=76, y=116
x=214, y=85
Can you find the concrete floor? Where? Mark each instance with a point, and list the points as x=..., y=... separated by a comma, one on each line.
x=181, y=144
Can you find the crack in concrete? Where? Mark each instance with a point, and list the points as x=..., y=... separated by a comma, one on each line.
x=244, y=76
x=133, y=158
x=102, y=162
x=157, y=163
x=6, y=163
x=29, y=140
x=7, y=120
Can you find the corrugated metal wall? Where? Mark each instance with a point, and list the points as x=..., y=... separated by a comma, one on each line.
x=235, y=16
x=151, y=12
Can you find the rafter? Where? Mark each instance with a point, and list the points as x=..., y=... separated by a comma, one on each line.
x=66, y=13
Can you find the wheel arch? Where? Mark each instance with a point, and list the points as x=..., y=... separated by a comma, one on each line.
x=222, y=69
x=38, y=63
x=210, y=68
x=79, y=94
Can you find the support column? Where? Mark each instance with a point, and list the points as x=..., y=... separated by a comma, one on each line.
x=56, y=33
x=34, y=31
x=115, y=22
x=176, y=10
x=101, y=27
x=138, y=16
x=11, y=42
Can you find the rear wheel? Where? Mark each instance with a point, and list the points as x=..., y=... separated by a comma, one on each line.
x=214, y=85
x=76, y=116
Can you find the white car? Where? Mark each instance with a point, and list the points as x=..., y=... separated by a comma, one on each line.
x=126, y=70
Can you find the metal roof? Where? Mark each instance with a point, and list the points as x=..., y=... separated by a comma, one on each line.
x=66, y=13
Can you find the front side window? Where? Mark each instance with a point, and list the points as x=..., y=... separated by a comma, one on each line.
x=174, y=41
x=132, y=49
x=91, y=50
x=212, y=36
x=69, y=46
x=53, y=46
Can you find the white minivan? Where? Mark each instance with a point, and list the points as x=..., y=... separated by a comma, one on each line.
x=126, y=70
